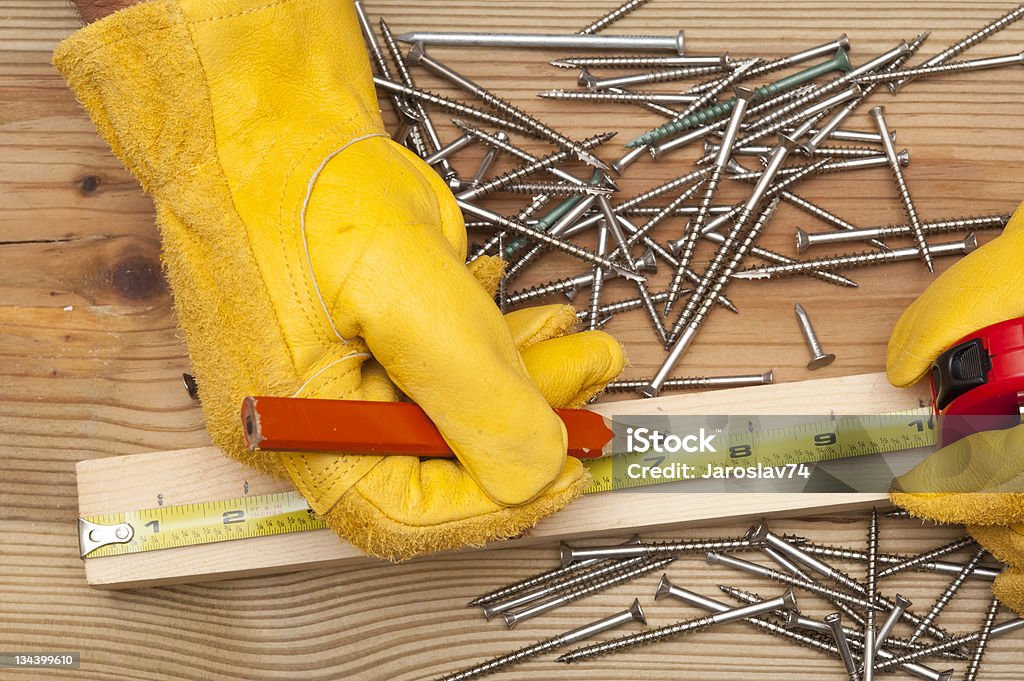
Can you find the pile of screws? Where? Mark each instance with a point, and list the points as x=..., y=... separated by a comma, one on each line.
x=864, y=646
x=801, y=111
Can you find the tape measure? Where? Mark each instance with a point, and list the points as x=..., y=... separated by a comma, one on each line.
x=164, y=527
x=738, y=445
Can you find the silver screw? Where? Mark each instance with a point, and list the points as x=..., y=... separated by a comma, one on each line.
x=878, y=113
x=551, y=588
x=632, y=614
x=849, y=164
x=488, y=160
x=570, y=554
x=795, y=570
x=693, y=231
x=570, y=286
x=947, y=595
x=848, y=260
x=835, y=84
x=823, y=50
x=449, y=105
x=624, y=575
x=647, y=43
x=555, y=188
x=776, y=576
x=938, y=566
x=764, y=150
x=895, y=615
x=969, y=41
x=825, y=216
x=538, y=579
x=854, y=637
x=526, y=170
x=613, y=16
x=819, y=359
x=787, y=601
x=953, y=67
x=377, y=56
x=611, y=309
x=983, y=636
x=835, y=623
x=502, y=143
x=617, y=97
x=638, y=62
x=546, y=239
x=760, y=532
x=681, y=338
x=829, y=127
x=870, y=642
x=418, y=55
x=928, y=556
x=448, y=149
x=598, y=284
x=696, y=383
x=662, y=76
x=432, y=139
x=805, y=240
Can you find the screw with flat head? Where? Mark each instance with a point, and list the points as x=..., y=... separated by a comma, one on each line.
x=947, y=595
x=805, y=240
x=878, y=113
x=627, y=571
x=983, y=636
x=787, y=601
x=819, y=358
x=538, y=579
x=697, y=382
x=418, y=55
x=969, y=41
x=633, y=613
x=835, y=623
x=895, y=615
x=613, y=16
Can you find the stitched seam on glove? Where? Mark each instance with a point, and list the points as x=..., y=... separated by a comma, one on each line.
x=302, y=226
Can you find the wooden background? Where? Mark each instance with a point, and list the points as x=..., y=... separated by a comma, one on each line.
x=91, y=361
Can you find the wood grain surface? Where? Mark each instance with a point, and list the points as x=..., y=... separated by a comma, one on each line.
x=92, y=360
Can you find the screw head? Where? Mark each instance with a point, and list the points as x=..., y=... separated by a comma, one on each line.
x=802, y=242
x=586, y=79
x=564, y=553
x=663, y=588
x=757, y=533
x=821, y=361
x=416, y=53
x=637, y=612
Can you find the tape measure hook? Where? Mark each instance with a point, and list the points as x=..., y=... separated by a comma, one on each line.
x=92, y=536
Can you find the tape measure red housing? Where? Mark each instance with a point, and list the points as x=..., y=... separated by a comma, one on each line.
x=978, y=384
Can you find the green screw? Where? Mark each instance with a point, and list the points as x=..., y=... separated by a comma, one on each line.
x=840, y=62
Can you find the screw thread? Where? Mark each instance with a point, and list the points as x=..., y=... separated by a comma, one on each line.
x=910, y=209
x=548, y=288
x=921, y=652
x=970, y=40
x=663, y=214
x=642, y=638
x=506, y=660
x=628, y=62
x=528, y=583
x=947, y=595
x=927, y=557
x=623, y=97
x=662, y=75
x=974, y=664
x=622, y=306
x=663, y=188
x=843, y=261
x=550, y=188
x=452, y=105
x=612, y=17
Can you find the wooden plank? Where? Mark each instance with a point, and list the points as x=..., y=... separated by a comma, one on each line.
x=180, y=477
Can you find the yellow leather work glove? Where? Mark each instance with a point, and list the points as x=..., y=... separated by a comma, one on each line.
x=978, y=481
x=311, y=256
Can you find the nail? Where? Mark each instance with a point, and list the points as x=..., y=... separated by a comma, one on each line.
x=819, y=358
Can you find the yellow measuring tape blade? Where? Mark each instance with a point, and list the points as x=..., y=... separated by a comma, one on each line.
x=837, y=438
x=286, y=512
x=210, y=521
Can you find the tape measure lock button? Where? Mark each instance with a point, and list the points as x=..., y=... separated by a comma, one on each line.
x=960, y=369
